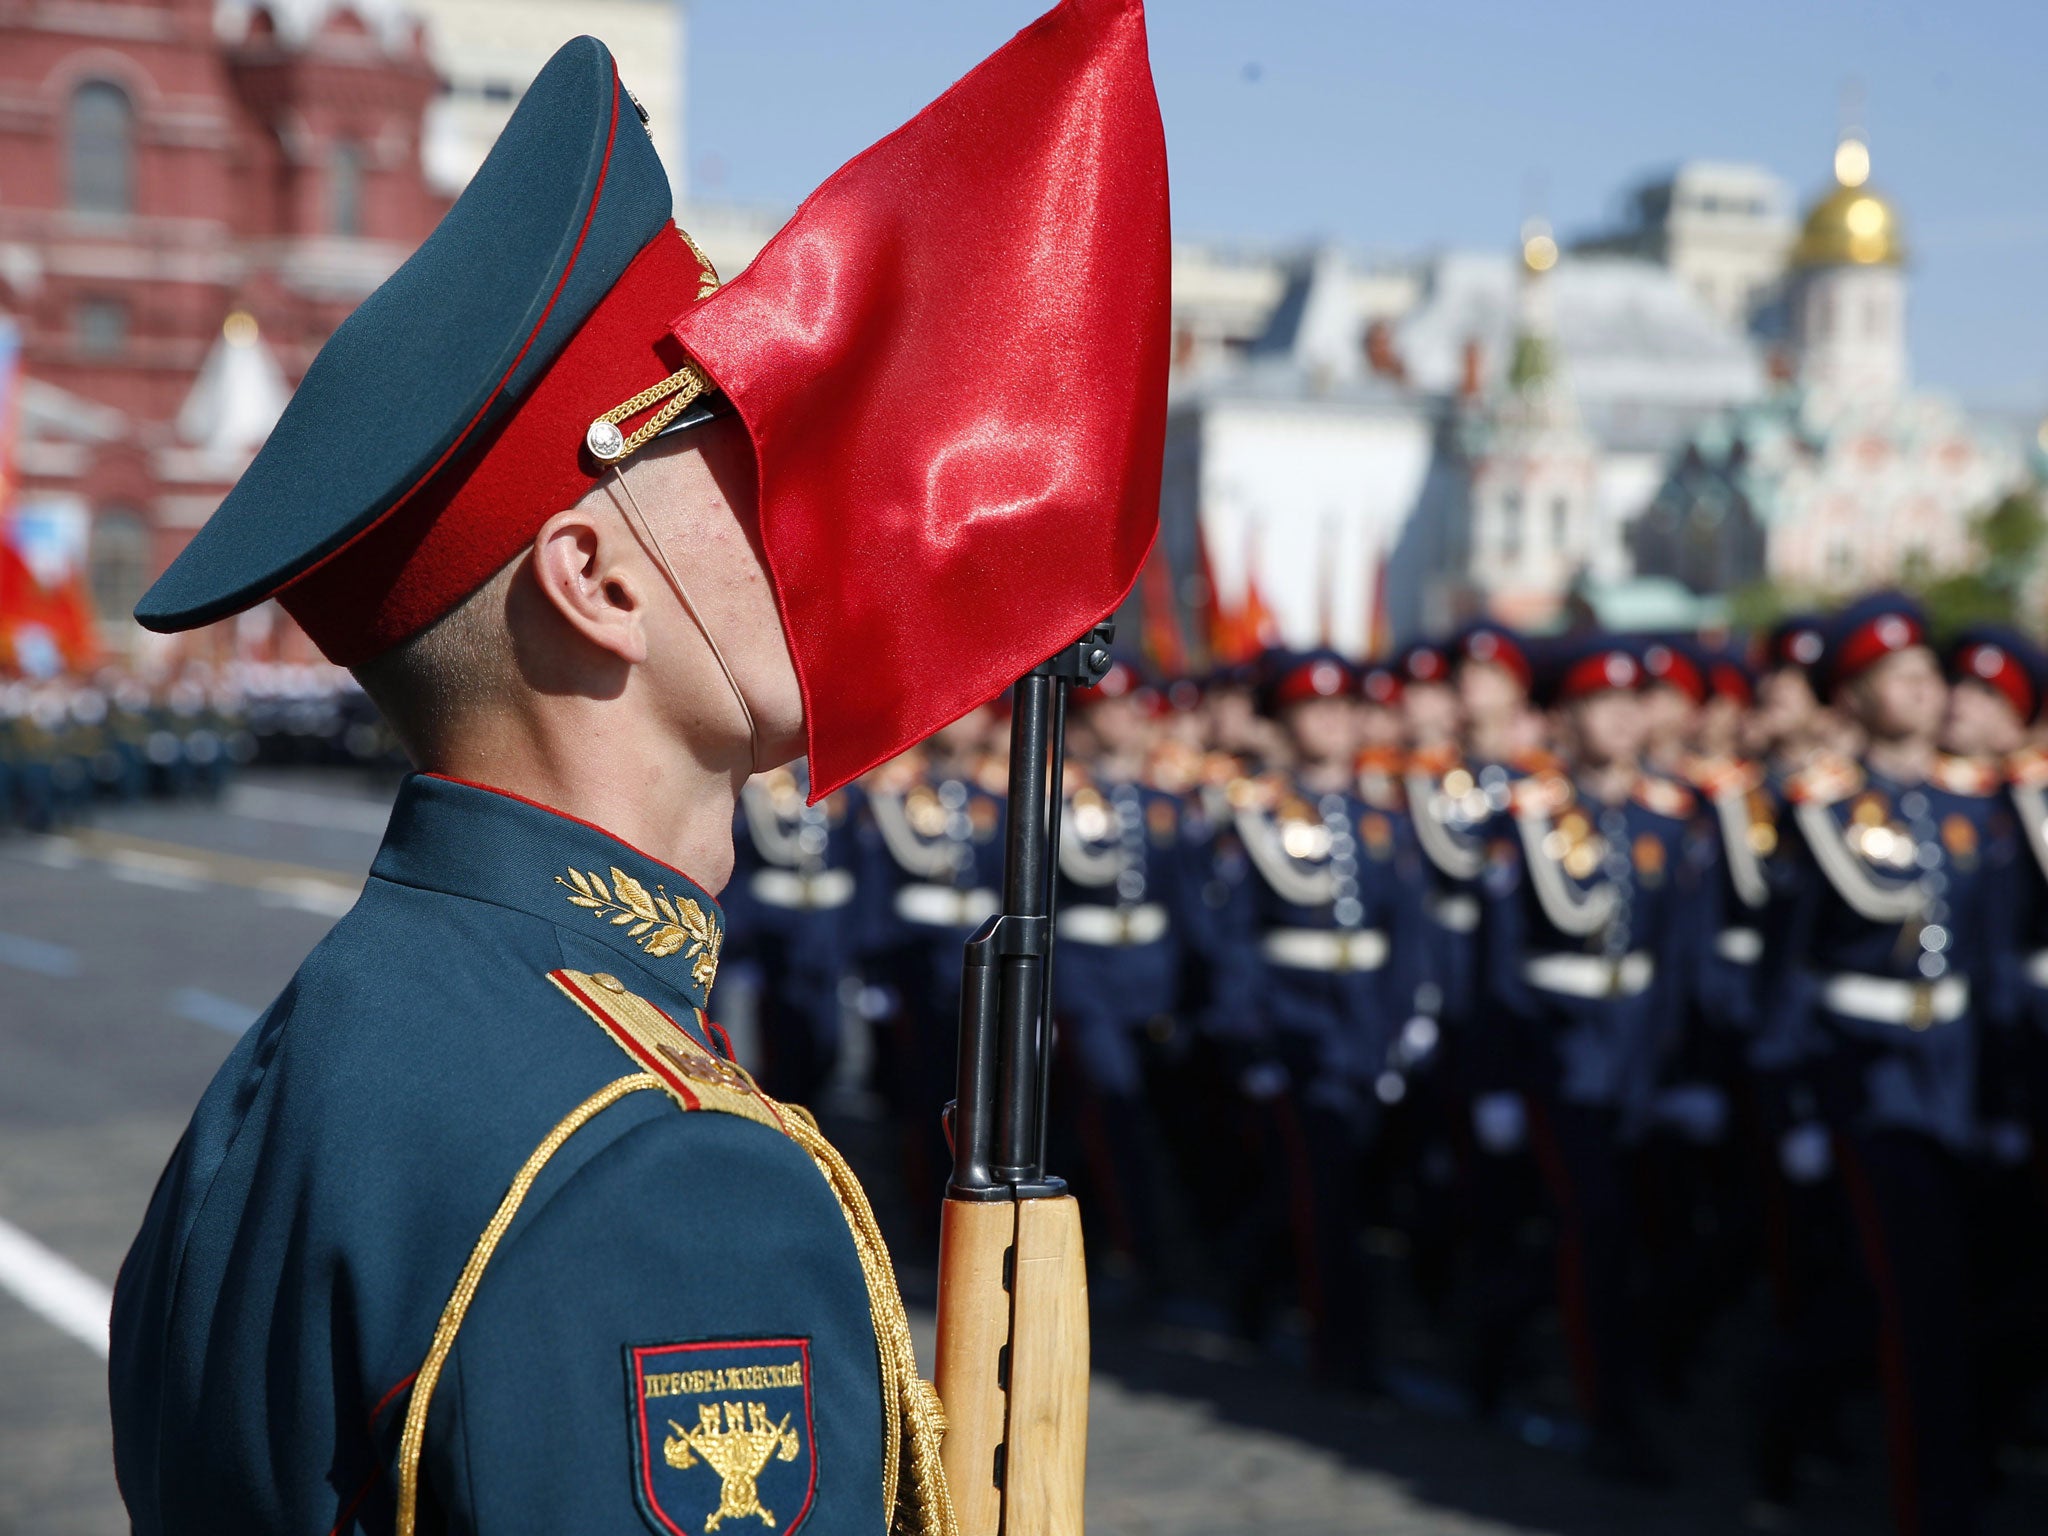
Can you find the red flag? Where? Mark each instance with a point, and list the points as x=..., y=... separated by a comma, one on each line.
x=1214, y=622
x=1162, y=636
x=1255, y=627
x=952, y=363
x=1326, y=590
x=1379, y=632
x=35, y=618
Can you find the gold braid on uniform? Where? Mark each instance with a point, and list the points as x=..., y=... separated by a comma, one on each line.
x=923, y=1506
x=411, y=1442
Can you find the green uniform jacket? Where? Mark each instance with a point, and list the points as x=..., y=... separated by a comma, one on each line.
x=675, y=1328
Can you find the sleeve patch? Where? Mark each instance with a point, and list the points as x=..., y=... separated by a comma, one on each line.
x=722, y=1430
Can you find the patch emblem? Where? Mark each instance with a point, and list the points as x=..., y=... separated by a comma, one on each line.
x=1378, y=834
x=1649, y=853
x=1162, y=820
x=722, y=1434
x=1959, y=834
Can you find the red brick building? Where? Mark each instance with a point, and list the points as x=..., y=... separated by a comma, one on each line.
x=193, y=193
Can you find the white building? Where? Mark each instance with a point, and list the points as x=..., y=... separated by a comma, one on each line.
x=1297, y=468
x=1725, y=229
x=1846, y=478
x=488, y=51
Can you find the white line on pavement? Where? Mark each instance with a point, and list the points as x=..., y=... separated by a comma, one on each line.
x=38, y=955
x=54, y=850
x=169, y=873
x=50, y=1284
x=302, y=808
x=325, y=897
x=211, y=1009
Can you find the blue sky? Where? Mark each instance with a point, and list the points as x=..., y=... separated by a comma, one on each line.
x=1399, y=127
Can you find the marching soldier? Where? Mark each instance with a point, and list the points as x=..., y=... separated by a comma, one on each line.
x=1698, y=1221
x=480, y=1228
x=1673, y=694
x=792, y=910
x=1334, y=951
x=1998, y=682
x=935, y=870
x=1583, y=955
x=1789, y=725
x=1881, y=978
x=1122, y=883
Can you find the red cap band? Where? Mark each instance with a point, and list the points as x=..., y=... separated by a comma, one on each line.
x=1996, y=667
x=1496, y=649
x=1601, y=672
x=1731, y=682
x=1674, y=669
x=1319, y=679
x=1874, y=641
x=454, y=533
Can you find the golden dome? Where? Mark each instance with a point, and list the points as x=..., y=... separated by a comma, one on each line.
x=1852, y=225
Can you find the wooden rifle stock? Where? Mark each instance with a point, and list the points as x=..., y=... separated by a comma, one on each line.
x=1012, y=1367
x=1013, y=1364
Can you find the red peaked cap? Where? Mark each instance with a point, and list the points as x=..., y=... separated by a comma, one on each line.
x=952, y=363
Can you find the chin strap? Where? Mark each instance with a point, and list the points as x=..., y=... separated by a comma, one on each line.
x=645, y=534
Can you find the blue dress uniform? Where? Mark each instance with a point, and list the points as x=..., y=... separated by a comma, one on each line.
x=1122, y=886
x=794, y=912
x=2010, y=669
x=1881, y=976
x=1583, y=955
x=935, y=868
x=1453, y=798
x=1333, y=955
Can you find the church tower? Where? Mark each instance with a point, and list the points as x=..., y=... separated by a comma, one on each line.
x=1533, y=513
x=1848, y=290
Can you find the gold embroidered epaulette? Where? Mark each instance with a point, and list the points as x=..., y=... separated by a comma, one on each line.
x=2028, y=767
x=1220, y=768
x=1257, y=792
x=1731, y=776
x=896, y=775
x=1666, y=797
x=1434, y=761
x=992, y=773
x=1718, y=776
x=1966, y=775
x=1824, y=781
x=1541, y=794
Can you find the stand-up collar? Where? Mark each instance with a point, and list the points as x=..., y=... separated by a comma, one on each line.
x=487, y=844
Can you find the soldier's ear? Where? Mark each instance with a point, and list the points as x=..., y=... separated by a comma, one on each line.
x=587, y=569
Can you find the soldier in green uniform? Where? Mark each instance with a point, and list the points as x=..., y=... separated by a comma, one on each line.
x=480, y=1228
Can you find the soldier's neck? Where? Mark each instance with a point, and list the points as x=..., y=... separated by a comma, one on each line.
x=1610, y=782
x=1492, y=741
x=1326, y=776
x=1902, y=759
x=645, y=790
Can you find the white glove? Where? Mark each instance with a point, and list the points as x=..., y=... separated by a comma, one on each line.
x=1806, y=1154
x=1263, y=1082
x=1501, y=1122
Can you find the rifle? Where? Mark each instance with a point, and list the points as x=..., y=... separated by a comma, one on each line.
x=1012, y=1366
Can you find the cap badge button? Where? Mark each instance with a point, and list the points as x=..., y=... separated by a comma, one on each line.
x=607, y=444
